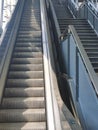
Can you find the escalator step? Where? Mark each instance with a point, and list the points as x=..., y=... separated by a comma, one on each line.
x=25, y=83
x=23, y=103
x=26, y=61
x=28, y=49
x=26, y=67
x=24, y=92
x=27, y=54
x=28, y=40
x=22, y=115
x=31, y=33
x=23, y=126
x=25, y=74
x=28, y=44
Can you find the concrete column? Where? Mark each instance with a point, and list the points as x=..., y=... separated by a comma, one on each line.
x=1, y=15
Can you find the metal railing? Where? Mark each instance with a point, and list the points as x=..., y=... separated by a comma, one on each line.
x=82, y=79
x=72, y=7
x=85, y=11
x=88, y=13
x=7, y=44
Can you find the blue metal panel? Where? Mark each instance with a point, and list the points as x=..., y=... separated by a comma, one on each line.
x=85, y=12
x=64, y=50
x=81, y=12
x=81, y=87
x=90, y=17
x=87, y=98
x=96, y=24
x=72, y=59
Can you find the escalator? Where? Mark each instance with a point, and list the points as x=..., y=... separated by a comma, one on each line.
x=23, y=103
x=27, y=73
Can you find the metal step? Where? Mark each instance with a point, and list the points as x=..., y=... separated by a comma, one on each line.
x=28, y=39
x=92, y=38
x=28, y=49
x=22, y=115
x=28, y=44
x=24, y=92
x=32, y=34
x=29, y=32
x=90, y=49
x=23, y=103
x=27, y=54
x=23, y=126
x=25, y=83
x=30, y=29
x=26, y=61
x=25, y=74
x=26, y=67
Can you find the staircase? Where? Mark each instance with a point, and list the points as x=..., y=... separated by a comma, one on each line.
x=23, y=103
x=88, y=37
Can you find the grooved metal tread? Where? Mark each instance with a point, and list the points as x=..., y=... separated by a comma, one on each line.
x=22, y=115
x=23, y=104
x=24, y=92
x=23, y=126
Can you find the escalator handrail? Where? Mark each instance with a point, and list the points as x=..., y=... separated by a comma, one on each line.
x=9, y=49
x=52, y=111
x=85, y=59
x=55, y=19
